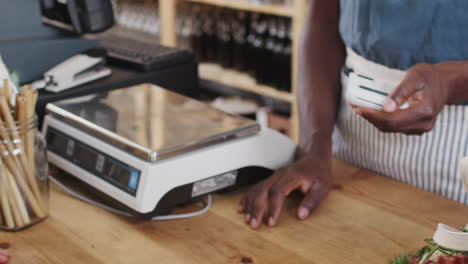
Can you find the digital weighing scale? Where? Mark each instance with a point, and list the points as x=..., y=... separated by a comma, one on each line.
x=151, y=149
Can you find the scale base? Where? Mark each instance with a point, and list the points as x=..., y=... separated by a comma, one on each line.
x=178, y=197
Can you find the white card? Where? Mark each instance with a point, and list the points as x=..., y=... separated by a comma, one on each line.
x=367, y=92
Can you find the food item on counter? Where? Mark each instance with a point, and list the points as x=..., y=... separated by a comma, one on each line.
x=409, y=257
x=449, y=246
x=420, y=257
x=460, y=259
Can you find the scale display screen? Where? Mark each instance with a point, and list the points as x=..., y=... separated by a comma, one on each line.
x=101, y=165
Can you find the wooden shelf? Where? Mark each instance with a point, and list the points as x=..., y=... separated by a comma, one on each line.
x=296, y=11
x=242, y=81
x=279, y=10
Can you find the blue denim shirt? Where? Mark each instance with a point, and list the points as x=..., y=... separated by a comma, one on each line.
x=401, y=33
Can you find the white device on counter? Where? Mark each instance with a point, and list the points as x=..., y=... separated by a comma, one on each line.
x=368, y=92
x=77, y=70
x=151, y=149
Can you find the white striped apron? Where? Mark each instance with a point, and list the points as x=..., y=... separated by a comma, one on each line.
x=430, y=161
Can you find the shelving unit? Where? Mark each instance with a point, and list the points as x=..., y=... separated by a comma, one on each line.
x=245, y=5
x=241, y=81
x=296, y=11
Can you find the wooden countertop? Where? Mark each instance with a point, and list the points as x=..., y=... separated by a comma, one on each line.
x=366, y=219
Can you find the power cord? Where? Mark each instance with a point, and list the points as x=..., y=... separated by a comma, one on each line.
x=78, y=196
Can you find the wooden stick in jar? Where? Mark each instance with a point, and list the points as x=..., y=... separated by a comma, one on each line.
x=29, y=113
x=8, y=203
x=14, y=208
x=31, y=199
x=13, y=202
x=7, y=144
x=6, y=208
x=17, y=196
x=31, y=136
x=24, y=123
x=20, y=115
x=30, y=105
x=18, y=173
x=7, y=90
x=24, y=166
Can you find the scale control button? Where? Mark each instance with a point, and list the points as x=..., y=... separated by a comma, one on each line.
x=70, y=147
x=134, y=176
x=100, y=163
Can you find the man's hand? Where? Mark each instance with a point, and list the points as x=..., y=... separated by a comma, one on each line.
x=427, y=88
x=311, y=175
x=4, y=256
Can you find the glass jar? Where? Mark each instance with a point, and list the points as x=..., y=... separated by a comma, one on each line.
x=24, y=189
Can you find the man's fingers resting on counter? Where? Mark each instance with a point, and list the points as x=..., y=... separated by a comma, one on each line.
x=257, y=209
x=254, y=203
x=255, y=190
x=312, y=199
x=277, y=195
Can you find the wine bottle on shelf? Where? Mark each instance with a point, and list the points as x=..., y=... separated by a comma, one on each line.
x=277, y=63
x=270, y=69
x=197, y=33
x=209, y=40
x=184, y=28
x=261, y=54
x=287, y=57
x=251, y=38
x=239, y=37
x=225, y=39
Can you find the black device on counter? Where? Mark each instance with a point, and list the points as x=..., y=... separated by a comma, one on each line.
x=93, y=16
x=170, y=68
x=139, y=55
x=80, y=16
